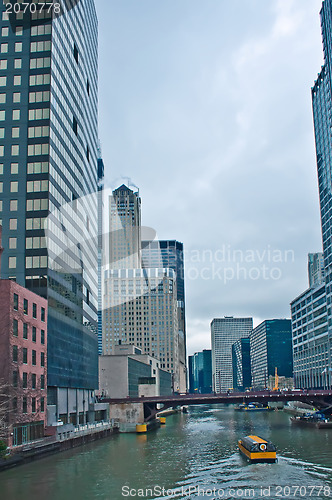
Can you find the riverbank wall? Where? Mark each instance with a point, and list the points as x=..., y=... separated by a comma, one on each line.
x=48, y=446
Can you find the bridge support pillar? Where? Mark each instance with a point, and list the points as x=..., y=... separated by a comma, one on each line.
x=128, y=415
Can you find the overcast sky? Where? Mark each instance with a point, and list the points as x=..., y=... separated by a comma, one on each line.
x=206, y=106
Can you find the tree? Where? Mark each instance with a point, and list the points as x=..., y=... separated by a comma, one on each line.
x=4, y=410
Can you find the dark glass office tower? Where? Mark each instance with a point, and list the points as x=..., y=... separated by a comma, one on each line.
x=49, y=177
x=322, y=112
x=270, y=349
x=200, y=372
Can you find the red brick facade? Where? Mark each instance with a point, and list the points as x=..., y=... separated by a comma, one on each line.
x=23, y=361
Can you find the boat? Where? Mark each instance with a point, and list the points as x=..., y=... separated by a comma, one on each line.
x=317, y=420
x=257, y=449
x=252, y=407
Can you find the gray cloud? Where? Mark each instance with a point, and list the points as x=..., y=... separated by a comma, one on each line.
x=206, y=106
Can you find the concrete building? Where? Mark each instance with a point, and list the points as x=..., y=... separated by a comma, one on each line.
x=49, y=170
x=130, y=373
x=140, y=308
x=23, y=362
x=169, y=254
x=125, y=229
x=241, y=364
x=200, y=372
x=224, y=333
x=270, y=349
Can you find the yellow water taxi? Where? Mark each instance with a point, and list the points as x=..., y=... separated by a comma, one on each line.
x=257, y=449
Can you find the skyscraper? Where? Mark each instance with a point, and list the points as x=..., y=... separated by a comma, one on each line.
x=140, y=308
x=125, y=228
x=48, y=170
x=141, y=304
x=271, y=348
x=200, y=372
x=311, y=311
x=224, y=333
x=169, y=254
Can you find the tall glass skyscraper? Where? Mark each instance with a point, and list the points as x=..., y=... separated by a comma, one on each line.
x=224, y=333
x=49, y=180
x=322, y=112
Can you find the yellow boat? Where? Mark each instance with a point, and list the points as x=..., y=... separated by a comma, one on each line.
x=257, y=449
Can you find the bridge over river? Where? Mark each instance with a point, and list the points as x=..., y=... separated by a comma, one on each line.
x=321, y=399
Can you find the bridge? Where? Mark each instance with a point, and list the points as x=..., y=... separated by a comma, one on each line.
x=320, y=399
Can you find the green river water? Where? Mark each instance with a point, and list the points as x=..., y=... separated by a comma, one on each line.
x=194, y=456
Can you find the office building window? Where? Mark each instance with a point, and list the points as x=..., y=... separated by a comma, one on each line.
x=34, y=334
x=25, y=355
x=34, y=357
x=25, y=331
x=24, y=405
x=12, y=262
x=15, y=353
x=14, y=187
x=12, y=243
x=13, y=224
x=25, y=306
x=17, y=80
x=15, y=302
x=13, y=205
x=15, y=327
x=25, y=380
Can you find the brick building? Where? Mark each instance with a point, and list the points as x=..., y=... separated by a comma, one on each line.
x=23, y=362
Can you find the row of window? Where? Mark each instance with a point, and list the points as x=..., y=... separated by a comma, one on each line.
x=26, y=378
x=45, y=29
x=32, y=168
x=15, y=356
x=33, y=98
x=34, y=404
x=26, y=332
x=33, y=149
x=32, y=205
x=26, y=307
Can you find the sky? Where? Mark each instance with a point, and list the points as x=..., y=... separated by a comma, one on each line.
x=206, y=107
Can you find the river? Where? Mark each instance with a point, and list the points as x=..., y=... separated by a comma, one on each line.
x=194, y=456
